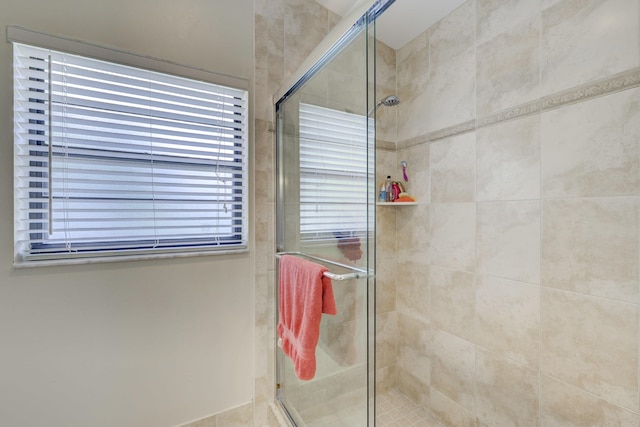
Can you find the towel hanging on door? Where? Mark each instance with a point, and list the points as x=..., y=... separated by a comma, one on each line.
x=304, y=295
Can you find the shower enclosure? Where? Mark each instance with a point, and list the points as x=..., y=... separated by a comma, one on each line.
x=326, y=196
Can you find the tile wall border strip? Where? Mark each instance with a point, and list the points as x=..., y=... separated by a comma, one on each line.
x=381, y=144
x=522, y=110
x=458, y=129
x=615, y=83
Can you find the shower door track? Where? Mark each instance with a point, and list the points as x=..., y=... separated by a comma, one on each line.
x=358, y=273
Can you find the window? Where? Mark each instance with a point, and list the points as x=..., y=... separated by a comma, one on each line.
x=112, y=160
x=334, y=162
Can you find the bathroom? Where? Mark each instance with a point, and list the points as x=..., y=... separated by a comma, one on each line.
x=517, y=270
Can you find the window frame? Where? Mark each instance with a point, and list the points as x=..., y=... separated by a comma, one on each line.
x=27, y=37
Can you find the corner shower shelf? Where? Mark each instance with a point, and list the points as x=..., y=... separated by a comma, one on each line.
x=396, y=203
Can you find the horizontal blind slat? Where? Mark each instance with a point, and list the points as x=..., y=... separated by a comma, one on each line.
x=143, y=74
x=79, y=86
x=75, y=117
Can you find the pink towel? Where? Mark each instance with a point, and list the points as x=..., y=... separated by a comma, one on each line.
x=304, y=295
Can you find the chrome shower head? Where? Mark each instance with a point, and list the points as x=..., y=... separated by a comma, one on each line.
x=389, y=101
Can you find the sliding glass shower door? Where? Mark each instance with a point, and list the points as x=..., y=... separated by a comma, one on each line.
x=326, y=214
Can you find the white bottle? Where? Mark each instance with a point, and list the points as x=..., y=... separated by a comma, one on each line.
x=388, y=188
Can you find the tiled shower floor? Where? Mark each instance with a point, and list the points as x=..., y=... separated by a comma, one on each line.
x=394, y=409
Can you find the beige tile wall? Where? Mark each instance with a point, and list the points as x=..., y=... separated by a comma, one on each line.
x=518, y=274
x=286, y=31
x=515, y=294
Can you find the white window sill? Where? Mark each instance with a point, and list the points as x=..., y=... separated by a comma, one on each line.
x=118, y=258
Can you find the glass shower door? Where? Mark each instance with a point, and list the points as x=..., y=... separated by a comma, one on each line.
x=325, y=213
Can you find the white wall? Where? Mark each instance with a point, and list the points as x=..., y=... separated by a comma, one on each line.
x=153, y=343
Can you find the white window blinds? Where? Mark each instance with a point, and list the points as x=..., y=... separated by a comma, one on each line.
x=334, y=162
x=114, y=160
